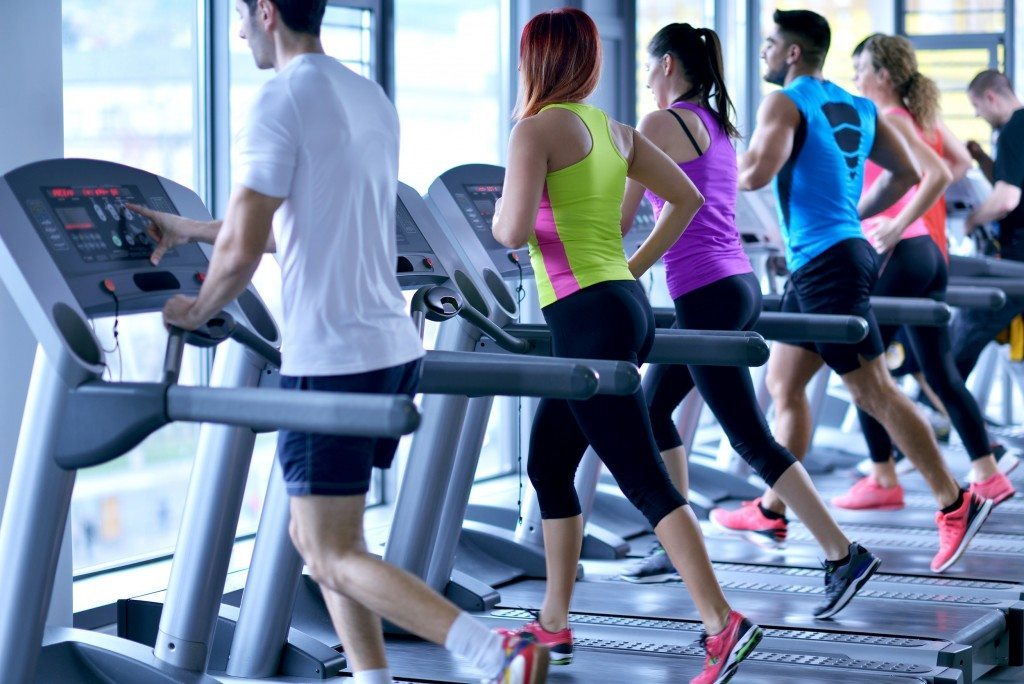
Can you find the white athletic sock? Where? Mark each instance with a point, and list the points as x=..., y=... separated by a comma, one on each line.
x=471, y=639
x=382, y=676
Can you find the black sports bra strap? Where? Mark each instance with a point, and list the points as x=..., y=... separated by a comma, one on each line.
x=686, y=129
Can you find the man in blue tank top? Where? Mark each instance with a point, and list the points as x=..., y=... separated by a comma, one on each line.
x=812, y=140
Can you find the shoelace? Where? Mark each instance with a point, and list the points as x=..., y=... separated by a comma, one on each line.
x=947, y=532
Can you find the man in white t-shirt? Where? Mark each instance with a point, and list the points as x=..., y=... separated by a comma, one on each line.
x=317, y=184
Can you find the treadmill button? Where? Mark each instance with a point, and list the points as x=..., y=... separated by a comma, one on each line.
x=428, y=262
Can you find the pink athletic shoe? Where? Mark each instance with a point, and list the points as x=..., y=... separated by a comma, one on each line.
x=727, y=649
x=997, y=488
x=559, y=643
x=957, y=529
x=867, y=494
x=749, y=519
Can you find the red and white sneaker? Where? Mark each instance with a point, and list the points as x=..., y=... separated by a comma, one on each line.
x=526, y=661
x=559, y=643
x=727, y=649
x=867, y=494
x=750, y=520
x=957, y=529
x=997, y=488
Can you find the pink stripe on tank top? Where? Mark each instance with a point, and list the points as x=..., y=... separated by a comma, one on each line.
x=552, y=250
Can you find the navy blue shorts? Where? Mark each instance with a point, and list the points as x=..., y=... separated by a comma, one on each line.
x=335, y=465
x=840, y=281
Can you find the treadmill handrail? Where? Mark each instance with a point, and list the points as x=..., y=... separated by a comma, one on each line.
x=976, y=297
x=792, y=327
x=892, y=310
x=1014, y=287
x=987, y=267
x=481, y=374
x=333, y=413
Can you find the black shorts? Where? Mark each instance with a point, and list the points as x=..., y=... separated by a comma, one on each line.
x=838, y=281
x=336, y=465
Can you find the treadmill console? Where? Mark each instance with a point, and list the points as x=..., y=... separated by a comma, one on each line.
x=99, y=246
x=418, y=263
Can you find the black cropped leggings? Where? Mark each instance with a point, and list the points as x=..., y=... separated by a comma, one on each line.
x=612, y=321
x=916, y=269
x=732, y=303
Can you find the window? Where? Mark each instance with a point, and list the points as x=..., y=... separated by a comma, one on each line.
x=651, y=15
x=955, y=40
x=450, y=85
x=130, y=92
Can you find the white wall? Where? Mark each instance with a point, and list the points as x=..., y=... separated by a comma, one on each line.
x=31, y=128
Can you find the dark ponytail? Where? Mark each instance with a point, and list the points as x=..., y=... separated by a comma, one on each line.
x=699, y=52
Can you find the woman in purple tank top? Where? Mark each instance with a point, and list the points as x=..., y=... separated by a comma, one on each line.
x=713, y=288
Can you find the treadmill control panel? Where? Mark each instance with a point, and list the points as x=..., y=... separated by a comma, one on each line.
x=418, y=264
x=99, y=246
x=95, y=221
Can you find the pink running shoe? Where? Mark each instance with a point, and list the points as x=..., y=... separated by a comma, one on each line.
x=867, y=494
x=727, y=649
x=559, y=643
x=749, y=519
x=957, y=529
x=997, y=488
x=526, y=661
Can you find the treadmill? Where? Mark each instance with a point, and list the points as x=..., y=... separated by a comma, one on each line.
x=769, y=594
x=667, y=659
x=71, y=252
x=253, y=625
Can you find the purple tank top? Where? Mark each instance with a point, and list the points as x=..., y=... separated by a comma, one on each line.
x=710, y=248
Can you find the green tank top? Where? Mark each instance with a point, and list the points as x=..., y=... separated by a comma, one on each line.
x=577, y=240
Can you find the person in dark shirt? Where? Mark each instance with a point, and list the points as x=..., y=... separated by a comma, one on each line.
x=992, y=96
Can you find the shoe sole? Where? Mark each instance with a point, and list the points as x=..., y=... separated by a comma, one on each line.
x=757, y=538
x=652, y=579
x=851, y=591
x=739, y=654
x=986, y=509
x=559, y=658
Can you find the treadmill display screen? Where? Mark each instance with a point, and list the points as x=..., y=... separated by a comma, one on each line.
x=95, y=221
x=477, y=204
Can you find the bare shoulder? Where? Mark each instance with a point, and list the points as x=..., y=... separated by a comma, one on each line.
x=777, y=103
x=622, y=136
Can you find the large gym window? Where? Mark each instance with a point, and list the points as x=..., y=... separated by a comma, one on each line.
x=130, y=93
x=449, y=85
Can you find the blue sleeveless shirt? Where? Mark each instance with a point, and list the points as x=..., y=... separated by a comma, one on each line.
x=817, y=190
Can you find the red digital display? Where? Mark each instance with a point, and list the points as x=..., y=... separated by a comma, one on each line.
x=62, y=193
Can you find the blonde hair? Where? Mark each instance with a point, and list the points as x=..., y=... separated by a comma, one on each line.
x=919, y=93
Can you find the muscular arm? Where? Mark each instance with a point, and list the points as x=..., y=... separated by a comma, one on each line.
x=889, y=151
x=514, y=221
x=240, y=243
x=652, y=168
x=954, y=152
x=1004, y=198
x=772, y=142
x=985, y=162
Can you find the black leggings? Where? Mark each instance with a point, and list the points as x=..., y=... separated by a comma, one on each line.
x=916, y=269
x=611, y=320
x=732, y=303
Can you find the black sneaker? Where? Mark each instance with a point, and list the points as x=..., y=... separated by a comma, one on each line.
x=651, y=570
x=842, y=582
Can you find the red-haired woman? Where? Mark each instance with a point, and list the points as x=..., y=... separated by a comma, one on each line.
x=567, y=168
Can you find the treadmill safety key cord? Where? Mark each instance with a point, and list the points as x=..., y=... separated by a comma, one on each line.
x=108, y=286
x=520, y=297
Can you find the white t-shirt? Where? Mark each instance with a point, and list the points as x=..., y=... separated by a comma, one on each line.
x=326, y=140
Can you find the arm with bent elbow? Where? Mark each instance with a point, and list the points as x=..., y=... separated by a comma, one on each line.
x=772, y=142
x=516, y=214
x=889, y=151
x=652, y=168
x=1004, y=198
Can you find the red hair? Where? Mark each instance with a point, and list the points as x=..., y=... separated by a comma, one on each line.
x=559, y=60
